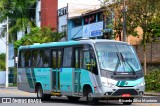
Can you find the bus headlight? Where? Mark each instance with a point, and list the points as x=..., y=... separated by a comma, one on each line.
x=141, y=84
x=110, y=85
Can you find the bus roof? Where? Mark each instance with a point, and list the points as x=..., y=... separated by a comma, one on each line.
x=67, y=43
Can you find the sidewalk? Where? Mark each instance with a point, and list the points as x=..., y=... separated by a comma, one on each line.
x=152, y=93
x=10, y=87
x=2, y=86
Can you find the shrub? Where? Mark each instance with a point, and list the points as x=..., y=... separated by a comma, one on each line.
x=152, y=80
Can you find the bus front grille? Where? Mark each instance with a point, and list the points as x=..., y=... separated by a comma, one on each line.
x=125, y=91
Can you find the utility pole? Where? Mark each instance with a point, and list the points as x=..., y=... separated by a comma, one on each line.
x=7, y=42
x=124, y=20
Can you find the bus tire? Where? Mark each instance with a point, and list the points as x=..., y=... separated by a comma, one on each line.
x=41, y=95
x=73, y=98
x=89, y=97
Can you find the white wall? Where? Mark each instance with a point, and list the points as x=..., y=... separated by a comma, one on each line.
x=2, y=77
x=62, y=20
x=2, y=40
x=38, y=9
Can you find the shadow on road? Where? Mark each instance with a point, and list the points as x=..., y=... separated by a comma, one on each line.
x=81, y=102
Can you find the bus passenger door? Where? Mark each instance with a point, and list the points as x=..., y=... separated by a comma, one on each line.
x=55, y=72
x=77, y=71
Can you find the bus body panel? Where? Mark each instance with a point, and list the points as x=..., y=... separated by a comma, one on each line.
x=87, y=78
x=134, y=85
x=42, y=75
x=66, y=81
x=25, y=81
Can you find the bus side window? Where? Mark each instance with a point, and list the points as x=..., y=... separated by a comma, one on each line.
x=21, y=62
x=67, y=57
x=86, y=60
x=93, y=63
x=27, y=58
x=89, y=60
x=54, y=59
x=40, y=59
x=34, y=58
x=59, y=58
x=46, y=58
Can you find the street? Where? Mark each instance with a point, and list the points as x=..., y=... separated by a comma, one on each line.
x=60, y=101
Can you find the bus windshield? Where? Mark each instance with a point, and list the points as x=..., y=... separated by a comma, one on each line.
x=117, y=57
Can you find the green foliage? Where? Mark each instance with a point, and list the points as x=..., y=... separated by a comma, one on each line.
x=38, y=35
x=13, y=71
x=139, y=13
x=21, y=14
x=2, y=61
x=152, y=80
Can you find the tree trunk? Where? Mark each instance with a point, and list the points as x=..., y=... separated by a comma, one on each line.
x=145, y=59
x=144, y=54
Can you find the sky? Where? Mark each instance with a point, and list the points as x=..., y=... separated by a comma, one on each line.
x=63, y=3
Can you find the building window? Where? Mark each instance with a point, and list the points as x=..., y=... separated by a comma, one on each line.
x=64, y=28
x=39, y=15
x=92, y=18
x=77, y=22
x=100, y=16
x=86, y=20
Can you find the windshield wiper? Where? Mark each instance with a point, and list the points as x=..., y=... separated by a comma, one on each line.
x=123, y=60
x=116, y=65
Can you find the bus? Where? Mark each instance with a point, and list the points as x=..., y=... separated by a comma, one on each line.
x=95, y=69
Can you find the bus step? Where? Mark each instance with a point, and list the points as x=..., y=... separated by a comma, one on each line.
x=55, y=93
x=80, y=94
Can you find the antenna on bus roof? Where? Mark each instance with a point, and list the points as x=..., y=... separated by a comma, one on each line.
x=86, y=38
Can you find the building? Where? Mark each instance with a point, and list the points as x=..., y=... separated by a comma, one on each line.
x=46, y=13
x=89, y=25
x=95, y=24
x=62, y=19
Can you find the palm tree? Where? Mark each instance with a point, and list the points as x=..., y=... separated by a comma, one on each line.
x=20, y=13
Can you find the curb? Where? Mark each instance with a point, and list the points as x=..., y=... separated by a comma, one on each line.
x=152, y=93
x=3, y=87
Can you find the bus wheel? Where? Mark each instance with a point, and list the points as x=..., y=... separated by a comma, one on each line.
x=90, y=98
x=42, y=96
x=73, y=98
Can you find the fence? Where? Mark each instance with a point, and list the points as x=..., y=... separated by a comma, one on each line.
x=152, y=52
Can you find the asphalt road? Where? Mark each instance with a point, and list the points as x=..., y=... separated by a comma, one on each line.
x=59, y=101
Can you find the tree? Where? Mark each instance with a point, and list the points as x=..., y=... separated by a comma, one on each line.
x=21, y=14
x=2, y=61
x=39, y=35
x=114, y=12
x=140, y=13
